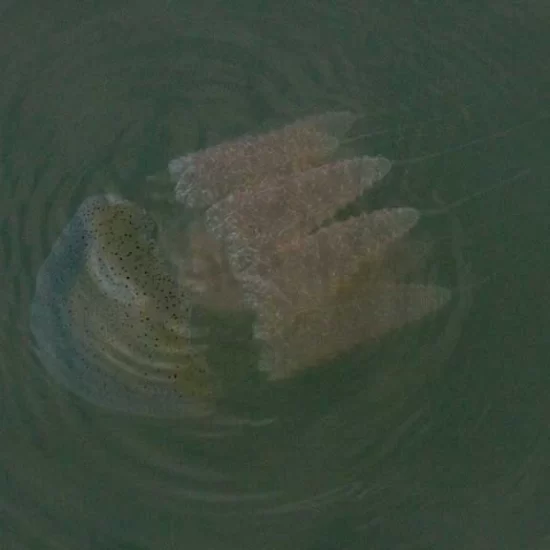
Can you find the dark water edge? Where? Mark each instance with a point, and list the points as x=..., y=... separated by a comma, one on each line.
x=96, y=95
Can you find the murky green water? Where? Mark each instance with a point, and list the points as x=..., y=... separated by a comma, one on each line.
x=436, y=437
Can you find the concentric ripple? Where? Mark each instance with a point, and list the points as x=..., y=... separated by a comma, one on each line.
x=95, y=99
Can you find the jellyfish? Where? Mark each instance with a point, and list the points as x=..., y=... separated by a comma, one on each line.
x=114, y=314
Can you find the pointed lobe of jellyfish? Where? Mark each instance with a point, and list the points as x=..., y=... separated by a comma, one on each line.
x=109, y=320
x=320, y=334
x=330, y=256
x=280, y=209
x=206, y=176
x=309, y=273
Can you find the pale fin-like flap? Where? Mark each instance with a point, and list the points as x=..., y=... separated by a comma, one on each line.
x=206, y=176
x=314, y=267
x=282, y=209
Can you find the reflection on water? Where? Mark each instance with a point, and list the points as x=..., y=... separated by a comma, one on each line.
x=113, y=316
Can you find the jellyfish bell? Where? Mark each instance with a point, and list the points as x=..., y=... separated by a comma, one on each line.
x=109, y=320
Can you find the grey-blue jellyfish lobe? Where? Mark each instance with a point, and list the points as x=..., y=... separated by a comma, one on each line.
x=50, y=311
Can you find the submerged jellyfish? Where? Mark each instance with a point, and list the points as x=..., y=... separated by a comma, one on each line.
x=114, y=309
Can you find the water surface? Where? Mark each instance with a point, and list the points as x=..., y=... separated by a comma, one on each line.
x=434, y=438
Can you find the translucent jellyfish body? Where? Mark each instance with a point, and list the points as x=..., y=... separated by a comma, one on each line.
x=204, y=177
x=318, y=287
x=113, y=309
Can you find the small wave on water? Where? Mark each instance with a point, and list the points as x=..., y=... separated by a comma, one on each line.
x=100, y=99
